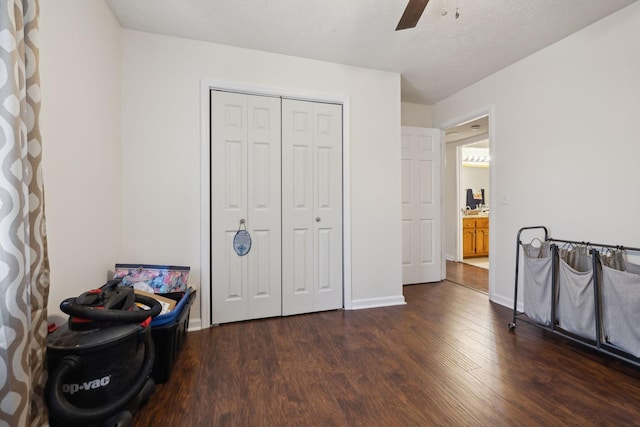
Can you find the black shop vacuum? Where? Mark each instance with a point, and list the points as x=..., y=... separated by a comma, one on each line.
x=100, y=361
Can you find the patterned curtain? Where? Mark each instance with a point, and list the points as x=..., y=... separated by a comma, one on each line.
x=24, y=265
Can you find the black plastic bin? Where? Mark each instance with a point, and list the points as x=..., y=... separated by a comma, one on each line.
x=168, y=337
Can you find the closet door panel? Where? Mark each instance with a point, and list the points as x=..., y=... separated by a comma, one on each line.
x=407, y=232
x=302, y=264
x=245, y=193
x=300, y=179
x=324, y=260
x=235, y=277
x=264, y=214
x=261, y=265
x=312, y=206
x=276, y=170
x=228, y=205
x=261, y=177
x=327, y=205
x=297, y=212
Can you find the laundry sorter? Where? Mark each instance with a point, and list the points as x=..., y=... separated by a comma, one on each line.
x=586, y=292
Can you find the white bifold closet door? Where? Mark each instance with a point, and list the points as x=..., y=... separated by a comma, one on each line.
x=277, y=165
x=245, y=185
x=311, y=206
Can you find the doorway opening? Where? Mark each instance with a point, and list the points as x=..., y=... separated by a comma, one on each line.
x=467, y=207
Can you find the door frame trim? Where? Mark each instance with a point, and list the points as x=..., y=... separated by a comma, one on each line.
x=206, y=86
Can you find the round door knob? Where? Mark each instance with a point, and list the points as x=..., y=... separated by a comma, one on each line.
x=317, y=219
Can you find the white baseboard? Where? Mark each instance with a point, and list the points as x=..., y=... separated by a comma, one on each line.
x=194, y=325
x=377, y=302
x=450, y=258
x=506, y=302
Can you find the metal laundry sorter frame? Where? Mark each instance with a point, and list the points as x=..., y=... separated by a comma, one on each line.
x=600, y=342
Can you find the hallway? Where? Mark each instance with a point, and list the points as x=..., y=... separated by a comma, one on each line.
x=467, y=275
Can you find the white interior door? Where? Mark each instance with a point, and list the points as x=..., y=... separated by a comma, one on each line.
x=421, y=205
x=245, y=185
x=312, y=206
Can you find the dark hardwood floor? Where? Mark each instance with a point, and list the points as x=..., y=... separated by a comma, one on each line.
x=468, y=275
x=446, y=358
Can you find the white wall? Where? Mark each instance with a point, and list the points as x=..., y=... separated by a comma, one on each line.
x=418, y=115
x=565, y=147
x=161, y=151
x=450, y=200
x=80, y=121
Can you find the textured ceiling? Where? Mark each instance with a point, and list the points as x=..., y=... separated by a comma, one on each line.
x=436, y=59
x=476, y=131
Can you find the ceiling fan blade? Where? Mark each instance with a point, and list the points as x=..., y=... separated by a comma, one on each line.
x=412, y=14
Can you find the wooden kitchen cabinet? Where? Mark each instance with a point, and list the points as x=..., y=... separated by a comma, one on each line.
x=468, y=237
x=475, y=237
